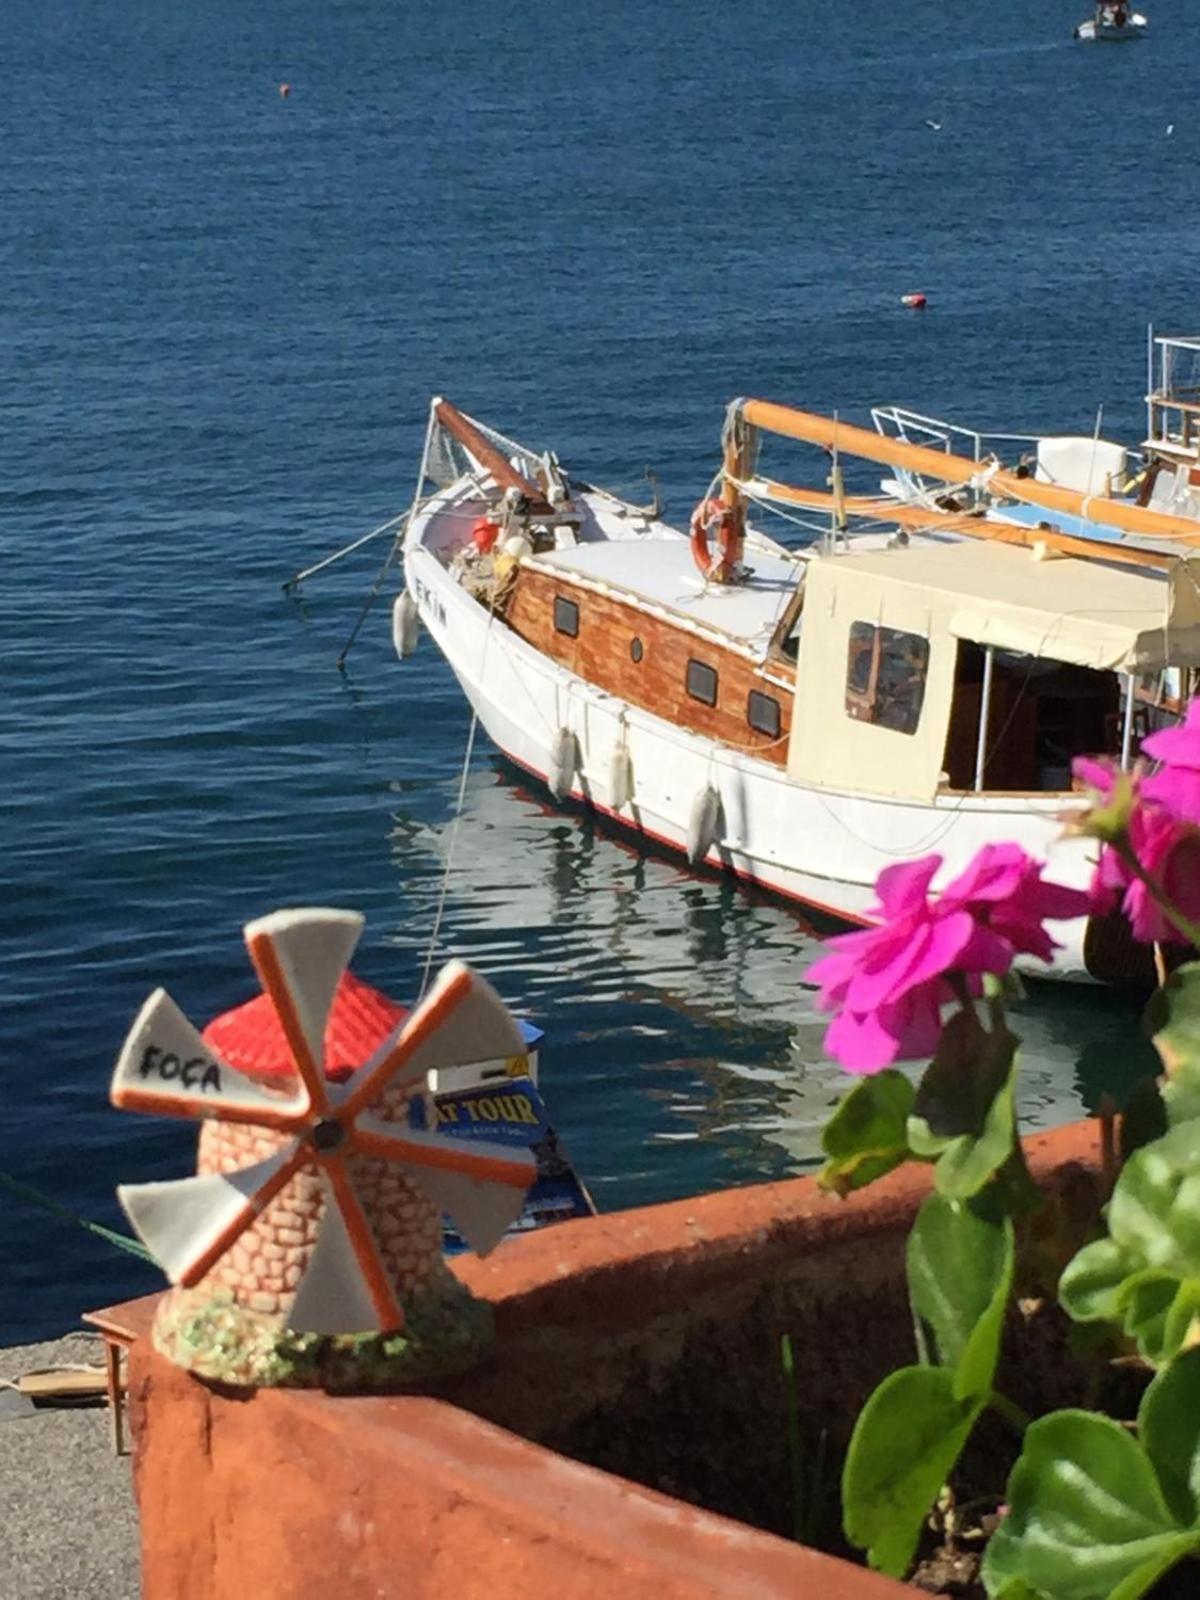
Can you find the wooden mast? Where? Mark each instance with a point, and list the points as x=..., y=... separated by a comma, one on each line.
x=487, y=455
x=823, y=431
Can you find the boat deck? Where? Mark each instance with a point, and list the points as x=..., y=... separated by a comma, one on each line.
x=661, y=572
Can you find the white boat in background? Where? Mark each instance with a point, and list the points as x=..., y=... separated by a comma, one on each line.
x=1113, y=23
x=804, y=717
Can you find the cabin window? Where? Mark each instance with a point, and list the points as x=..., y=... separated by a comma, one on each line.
x=885, y=676
x=762, y=713
x=636, y=650
x=566, y=616
x=702, y=682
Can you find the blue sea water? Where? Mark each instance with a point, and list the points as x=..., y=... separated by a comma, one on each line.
x=223, y=314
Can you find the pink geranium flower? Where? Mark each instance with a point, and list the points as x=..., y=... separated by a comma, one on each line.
x=1169, y=852
x=1176, y=784
x=889, y=983
x=1165, y=847
x=1004, y=890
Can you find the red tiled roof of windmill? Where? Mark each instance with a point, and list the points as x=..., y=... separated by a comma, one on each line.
x=250, y=1036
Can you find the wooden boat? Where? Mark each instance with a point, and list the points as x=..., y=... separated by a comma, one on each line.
x=804, y=716
x=1112, y=24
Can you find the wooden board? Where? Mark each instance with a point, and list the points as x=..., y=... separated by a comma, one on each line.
x=602, y=653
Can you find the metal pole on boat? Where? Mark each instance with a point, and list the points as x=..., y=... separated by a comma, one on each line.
x=395, y=548
x=985, y=708
x=346, y=550
x=1127, y=728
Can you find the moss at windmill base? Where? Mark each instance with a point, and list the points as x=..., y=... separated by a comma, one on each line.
x=209, y=1333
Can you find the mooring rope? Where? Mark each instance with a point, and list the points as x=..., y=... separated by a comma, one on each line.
x=460, y=804
x=26, y=1191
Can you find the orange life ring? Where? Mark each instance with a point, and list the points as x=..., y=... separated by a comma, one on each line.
x=714, y=519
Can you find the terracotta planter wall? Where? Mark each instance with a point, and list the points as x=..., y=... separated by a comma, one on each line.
x=645, y=1343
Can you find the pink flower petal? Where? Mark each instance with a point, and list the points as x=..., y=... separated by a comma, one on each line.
x=861, y=1043
x=903, y=887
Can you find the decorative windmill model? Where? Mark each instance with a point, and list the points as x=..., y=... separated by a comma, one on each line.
x=334, y=1226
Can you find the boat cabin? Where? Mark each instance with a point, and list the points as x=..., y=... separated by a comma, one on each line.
x=974, y=666
x=943, y=667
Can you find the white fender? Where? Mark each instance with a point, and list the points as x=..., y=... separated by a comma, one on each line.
x=406, y=624
x=564, y=763
x=620, y=778
x=702, y=823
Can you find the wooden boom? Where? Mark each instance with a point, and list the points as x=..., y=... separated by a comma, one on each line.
x=843, y=436
x=923, y=520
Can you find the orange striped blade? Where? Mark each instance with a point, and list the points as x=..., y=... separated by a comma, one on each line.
x=271, y=976
x=488, y=1162
x=430, y=1015
x=256, y=1204
x=362, y=1242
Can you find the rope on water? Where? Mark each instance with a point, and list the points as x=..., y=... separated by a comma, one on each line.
x=35, y=1197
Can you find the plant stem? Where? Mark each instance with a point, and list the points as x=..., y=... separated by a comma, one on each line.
x=795, y=1460
x=1009, y=1410
x=1184, y=925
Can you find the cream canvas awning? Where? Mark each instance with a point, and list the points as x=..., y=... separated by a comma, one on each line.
x=1107, y=618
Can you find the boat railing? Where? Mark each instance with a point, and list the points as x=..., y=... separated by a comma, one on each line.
x=912, y=427
x=1173, y=403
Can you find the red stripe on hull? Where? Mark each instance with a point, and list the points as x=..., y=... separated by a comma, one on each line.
x=762, y=884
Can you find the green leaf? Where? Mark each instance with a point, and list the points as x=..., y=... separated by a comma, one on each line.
x=1169, y=1427
x=1172, y=1017
x=963, y=1114
x=866, y=1138
x=1087, y=1519
x=905, y=1443
x=1146, y=1274
x=960, y=1271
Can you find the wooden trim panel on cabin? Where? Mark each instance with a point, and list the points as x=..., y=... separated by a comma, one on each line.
x=603, y=652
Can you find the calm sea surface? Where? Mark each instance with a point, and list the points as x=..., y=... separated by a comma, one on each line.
x=223, y=314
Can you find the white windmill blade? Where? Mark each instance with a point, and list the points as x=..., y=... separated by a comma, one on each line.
x=482, y=1212
x=192, y=1221
x=166, y=1067
x=311, y=948
x=461, y=1020
x=334, y=1295
x=480, y=1184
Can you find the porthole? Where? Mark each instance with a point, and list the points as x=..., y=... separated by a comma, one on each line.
x=636, y=650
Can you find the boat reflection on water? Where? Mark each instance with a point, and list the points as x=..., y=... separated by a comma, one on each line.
x=683, y=1050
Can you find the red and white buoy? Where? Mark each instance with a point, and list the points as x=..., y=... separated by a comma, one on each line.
x=914, y=302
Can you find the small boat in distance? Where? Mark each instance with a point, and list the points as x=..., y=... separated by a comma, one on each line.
x=912, y=678
x=1113, y=23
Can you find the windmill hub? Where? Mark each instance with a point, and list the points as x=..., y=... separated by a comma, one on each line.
x=328, y=1134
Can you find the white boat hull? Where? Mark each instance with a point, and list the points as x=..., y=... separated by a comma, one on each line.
x=1109, y=33
x=822, y=847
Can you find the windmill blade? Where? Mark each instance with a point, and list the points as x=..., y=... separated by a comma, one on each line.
x=482, y=1212
x=479, y=1183
x=189, y=1223
x=334, y=1294
x=300, y=956
x=461, y=1020
x=166, y=1068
